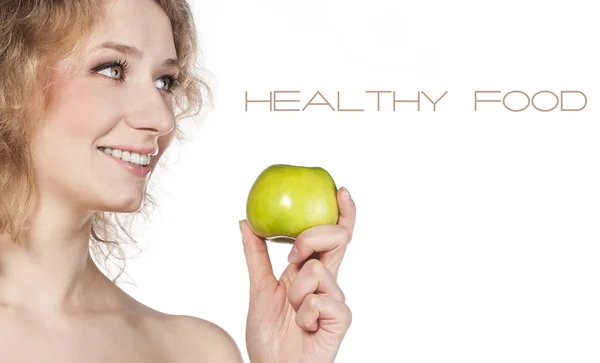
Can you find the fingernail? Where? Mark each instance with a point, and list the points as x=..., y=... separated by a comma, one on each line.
x=293, y=255
x=347, y=194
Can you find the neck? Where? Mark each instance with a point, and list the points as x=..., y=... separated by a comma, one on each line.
x=51, y=269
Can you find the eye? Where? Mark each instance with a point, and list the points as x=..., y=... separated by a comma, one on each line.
x=168, y=83
x=114, y=72
x=117, y=71
x=165, y=81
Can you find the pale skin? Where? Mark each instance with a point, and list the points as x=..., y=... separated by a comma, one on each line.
x=57, y=306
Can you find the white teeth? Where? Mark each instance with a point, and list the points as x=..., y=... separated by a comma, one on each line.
x=135, y=158
x=128, y=156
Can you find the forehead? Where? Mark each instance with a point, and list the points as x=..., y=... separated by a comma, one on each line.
x=139, y=23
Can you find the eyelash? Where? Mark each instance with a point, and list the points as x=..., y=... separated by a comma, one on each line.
x=172, y=80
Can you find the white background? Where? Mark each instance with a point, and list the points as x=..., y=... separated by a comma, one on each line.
x=477, y=234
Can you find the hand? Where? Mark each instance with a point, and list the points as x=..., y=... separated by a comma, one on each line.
x=302, y=317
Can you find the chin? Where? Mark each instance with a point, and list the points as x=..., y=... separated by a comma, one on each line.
x=126, y=203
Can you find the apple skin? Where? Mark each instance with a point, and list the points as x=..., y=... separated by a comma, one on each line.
x=288, y=199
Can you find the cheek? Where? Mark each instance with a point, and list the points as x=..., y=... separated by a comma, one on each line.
x=81, y=111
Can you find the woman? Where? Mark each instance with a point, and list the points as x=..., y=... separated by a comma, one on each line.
x=84, y=119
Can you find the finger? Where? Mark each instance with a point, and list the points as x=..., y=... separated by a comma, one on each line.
x=258, y=262
x=322, y=238
x=321, y=312
x=346, y=219
x=347, y=210
x=330, y=241
x=313, y=278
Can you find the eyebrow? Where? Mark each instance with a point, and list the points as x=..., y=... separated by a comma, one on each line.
x=135, y=52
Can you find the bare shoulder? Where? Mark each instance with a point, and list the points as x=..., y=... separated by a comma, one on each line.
x=184, y=338
x=202, y=338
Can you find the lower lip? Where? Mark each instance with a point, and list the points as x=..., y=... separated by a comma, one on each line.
x=136, y=170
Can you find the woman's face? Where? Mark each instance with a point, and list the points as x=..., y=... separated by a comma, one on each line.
x=100, y=104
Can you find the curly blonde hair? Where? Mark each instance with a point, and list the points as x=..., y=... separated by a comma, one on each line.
x=34, y=35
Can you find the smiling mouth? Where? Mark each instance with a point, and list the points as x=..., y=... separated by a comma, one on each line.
x=128, y=156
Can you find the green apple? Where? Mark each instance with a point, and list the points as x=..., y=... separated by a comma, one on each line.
x=288, y=199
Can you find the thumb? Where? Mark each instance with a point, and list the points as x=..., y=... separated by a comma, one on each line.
x=258, y=261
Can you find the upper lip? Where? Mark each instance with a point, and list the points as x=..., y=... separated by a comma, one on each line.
x=143, y=150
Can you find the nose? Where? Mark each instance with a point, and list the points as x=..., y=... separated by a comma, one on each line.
x=150, y=112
